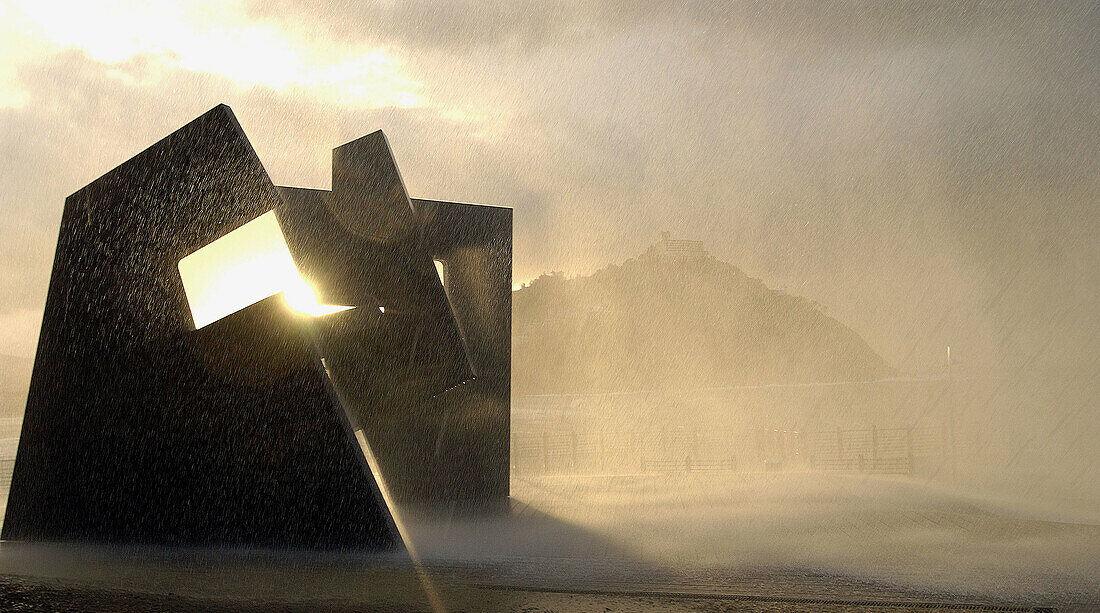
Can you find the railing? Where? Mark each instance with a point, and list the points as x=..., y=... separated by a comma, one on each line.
x=565, y=450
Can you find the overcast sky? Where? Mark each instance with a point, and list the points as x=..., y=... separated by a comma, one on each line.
x=926, y=171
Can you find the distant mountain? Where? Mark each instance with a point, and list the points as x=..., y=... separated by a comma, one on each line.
x=15, y=380
x=673, y=318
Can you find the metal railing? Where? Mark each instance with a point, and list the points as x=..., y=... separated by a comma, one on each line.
x=566, y=450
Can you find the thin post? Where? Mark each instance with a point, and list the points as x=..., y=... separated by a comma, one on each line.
x=573, y=444
x=954, y=449
x=603, y=453
x=545, y=451
x=909, y=446
x=874, y=447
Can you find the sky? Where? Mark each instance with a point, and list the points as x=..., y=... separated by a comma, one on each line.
x=927, y=171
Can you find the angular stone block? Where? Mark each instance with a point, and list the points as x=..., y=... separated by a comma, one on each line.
x=141, y=429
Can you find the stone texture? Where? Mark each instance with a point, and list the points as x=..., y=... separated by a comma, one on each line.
x=140, y=429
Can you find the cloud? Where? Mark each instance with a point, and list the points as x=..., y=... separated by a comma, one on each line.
x=85, y=116
x=528, y=26
x=209, y=37
x=926, y=171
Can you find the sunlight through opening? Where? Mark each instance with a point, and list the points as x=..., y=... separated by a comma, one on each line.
x=244, y=267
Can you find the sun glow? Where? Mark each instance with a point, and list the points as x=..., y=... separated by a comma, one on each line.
x=140, y=42
x=244, y=267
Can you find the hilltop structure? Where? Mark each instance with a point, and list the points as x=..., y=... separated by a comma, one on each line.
x=669, y=250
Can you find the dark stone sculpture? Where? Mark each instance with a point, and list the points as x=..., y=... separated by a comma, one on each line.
x=362, y=244
x=470, y=456
x=140, y=428
x=439, y=435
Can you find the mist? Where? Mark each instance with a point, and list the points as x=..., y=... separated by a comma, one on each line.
x=897, y=209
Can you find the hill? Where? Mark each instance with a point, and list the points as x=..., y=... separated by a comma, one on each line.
x=674, y=318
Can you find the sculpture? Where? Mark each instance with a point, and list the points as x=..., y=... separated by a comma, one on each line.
x=152, y=420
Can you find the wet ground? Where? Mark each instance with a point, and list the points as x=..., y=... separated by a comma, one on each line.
x=698, y=542
x=125, y=581
x=25, y=595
